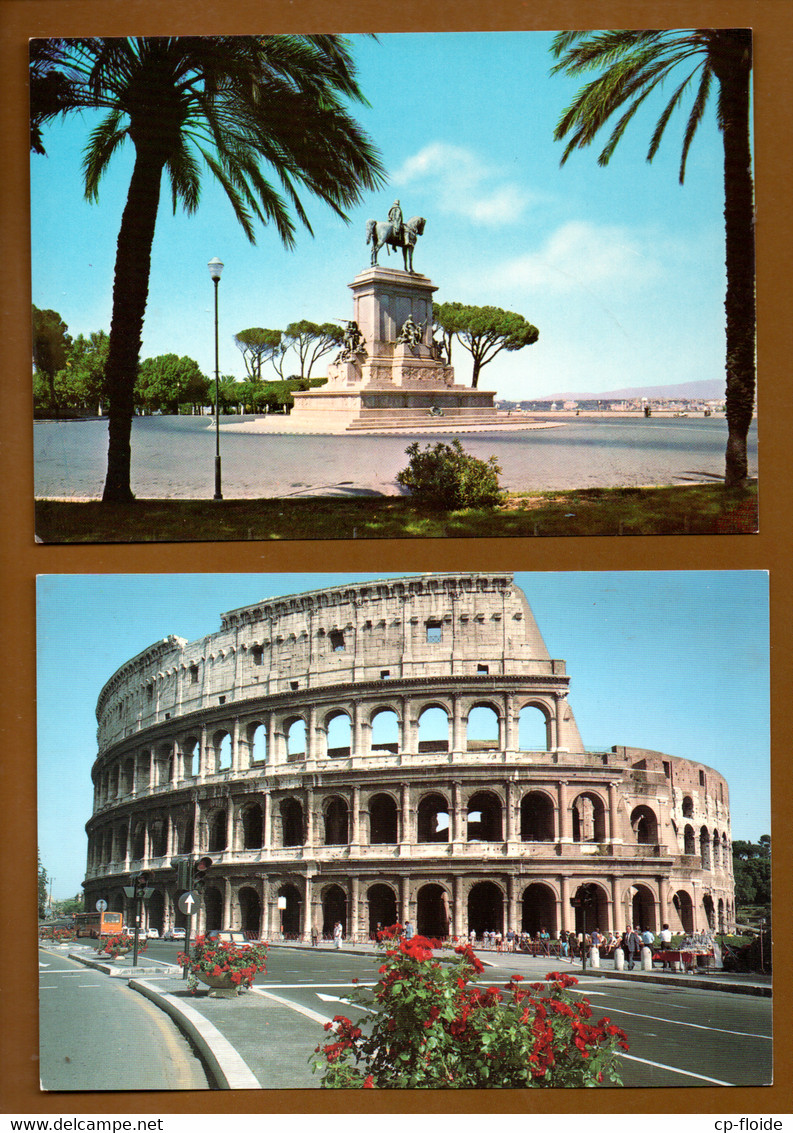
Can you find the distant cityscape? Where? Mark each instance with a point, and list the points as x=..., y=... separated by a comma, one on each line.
x=644, y=405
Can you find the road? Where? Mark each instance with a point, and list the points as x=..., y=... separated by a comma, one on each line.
x=96, y=1034
x=679, y=1036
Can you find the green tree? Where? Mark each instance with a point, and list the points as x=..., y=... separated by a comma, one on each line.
x=85, y=370
x=311, y=341
x=257, y=344
x=168, y=381
x=634, y=64
x=751, y=863
x=483, y=331
x=43, y=883
x=235, y=104
x=50, y=348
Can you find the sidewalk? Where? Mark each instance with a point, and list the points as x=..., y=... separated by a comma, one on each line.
x=260, y=1041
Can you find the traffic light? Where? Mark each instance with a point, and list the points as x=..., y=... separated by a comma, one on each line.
x=190, y=874
x=140, y=882
x=199, y=870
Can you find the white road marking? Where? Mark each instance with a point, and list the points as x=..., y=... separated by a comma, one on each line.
x=697, y=1026
x=674, y=1069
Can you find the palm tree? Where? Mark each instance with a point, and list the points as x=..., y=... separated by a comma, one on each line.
x=230, y=103
x=636, y=63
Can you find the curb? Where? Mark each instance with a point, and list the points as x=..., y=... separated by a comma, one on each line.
x=226, y=1068
x=113, y=971
x=685, y=981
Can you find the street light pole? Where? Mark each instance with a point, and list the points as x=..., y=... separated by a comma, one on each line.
x=215, y=268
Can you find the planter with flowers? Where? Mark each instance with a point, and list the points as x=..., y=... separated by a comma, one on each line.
x=120, y=945
x=227, y=969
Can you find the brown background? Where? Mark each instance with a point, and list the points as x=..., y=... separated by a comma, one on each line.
x=21, y=559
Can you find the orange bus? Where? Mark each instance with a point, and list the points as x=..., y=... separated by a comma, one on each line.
x=98, y=924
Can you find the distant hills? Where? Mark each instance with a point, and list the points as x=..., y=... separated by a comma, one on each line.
x=710, y=390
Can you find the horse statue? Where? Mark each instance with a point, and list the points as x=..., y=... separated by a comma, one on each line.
x=379, y=234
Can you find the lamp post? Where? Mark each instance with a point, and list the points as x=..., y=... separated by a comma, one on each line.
x=215, y=268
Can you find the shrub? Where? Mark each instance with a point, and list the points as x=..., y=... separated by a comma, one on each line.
x=431, y=1029
x=447, y=478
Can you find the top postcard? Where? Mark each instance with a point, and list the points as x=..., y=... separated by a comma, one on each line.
x=396, y=286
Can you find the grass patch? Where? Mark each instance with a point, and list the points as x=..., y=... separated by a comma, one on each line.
x=701, y=509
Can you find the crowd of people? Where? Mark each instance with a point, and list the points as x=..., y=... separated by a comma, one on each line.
x=570, y=945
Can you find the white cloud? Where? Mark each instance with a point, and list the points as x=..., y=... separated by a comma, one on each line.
x=465, y=185
x=582, y=255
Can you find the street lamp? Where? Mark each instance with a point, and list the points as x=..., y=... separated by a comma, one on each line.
x=215, y=268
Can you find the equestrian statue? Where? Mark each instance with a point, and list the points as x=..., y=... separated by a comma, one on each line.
x=394, y=234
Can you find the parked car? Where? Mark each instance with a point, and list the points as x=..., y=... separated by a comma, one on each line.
x=153, y=933
x=174, y=934
x=228, y=936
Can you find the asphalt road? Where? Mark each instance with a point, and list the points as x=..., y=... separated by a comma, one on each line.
x=96, y=1034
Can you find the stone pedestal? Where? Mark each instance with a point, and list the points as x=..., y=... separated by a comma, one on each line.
x=392, y=384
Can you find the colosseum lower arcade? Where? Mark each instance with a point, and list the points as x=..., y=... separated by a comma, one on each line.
x=395, y=750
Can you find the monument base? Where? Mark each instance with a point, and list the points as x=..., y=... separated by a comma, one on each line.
x=396, y=408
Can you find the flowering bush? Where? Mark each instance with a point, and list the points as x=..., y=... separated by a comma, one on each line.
x=219, y=958
x=58, y=935
x=120, y=943
x=433, y=1028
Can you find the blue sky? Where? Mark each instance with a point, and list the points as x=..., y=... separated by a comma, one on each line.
x=675, y=661
x=621, y=269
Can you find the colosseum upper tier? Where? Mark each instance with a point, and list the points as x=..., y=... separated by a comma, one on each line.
x=394, y=750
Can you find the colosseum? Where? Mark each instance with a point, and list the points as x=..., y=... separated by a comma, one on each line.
x=395, y=750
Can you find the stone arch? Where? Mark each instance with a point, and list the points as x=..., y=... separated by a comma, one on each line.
x=221, y=751
x=138, y=848
x=189, y=748
x=289, y=916
x=716, y=850
x=250, y=910
x=334, y=908
x=162, y=765
x=689, y=841
x=184, y=834
x=485, y=908
x=336, y=817
x=338, y=735
x=128, y=776
x=155, y=911
x=292, y=826
x=592, y=912
x=433, y=819
x=538, y=909
x=256, y=736
x=644, y=825
x=537, y=817
x=383, y=820
x=384, y=731
x=432, y=911
x=684, y=908
x=433, y=728
x=484, y=817
x=534, y=727
x=251, y=820
x=217, y=833
x=589, y=818
x=643, y=908
x=382, y=902
x=704, y=847
x=709, y=911
x=482, y=731
x=295, y=732
x=688, y=806
x=213, y=907
x=722, y=924
x=158, y=838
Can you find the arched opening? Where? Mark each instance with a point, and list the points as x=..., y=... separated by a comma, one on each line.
x=433, y=819
x=291, y=822
x=257, y=743
x=644, y=825
x=643, y=908
x=533, y=729
x=688, y=807
x=250, y=911
x=485, y=908
x=704, y=847
x=189, y=748
x=708, y=909
x=120, y=844
x=689, y=841
x=684, y=908
x=432, y=911
x=382, y=908
x=716, y=850
x=213, y=908
x=591, y=908
x=336, y=814
x=433, y=730
x=139, y=842
x=216, y=831
x=128, y=777
x=162, y=766
x=536, y=818
x=222, y=746
x=589, y=819
x=339, y=736
x=482, y=729
x=157, y=838
x=155, y=911
x=484, y=817
x=334, y=908
x=289, y=915
x=538, y=909
x=383, y=821
x=252, y=820
x=296, y=739
x=184, y=835
x=722, y=922
x=385, y=731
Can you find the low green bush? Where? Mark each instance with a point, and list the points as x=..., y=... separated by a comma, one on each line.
x=447, y=478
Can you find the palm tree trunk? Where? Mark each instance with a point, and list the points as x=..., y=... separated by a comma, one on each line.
x=733, y=74
x=130, y=293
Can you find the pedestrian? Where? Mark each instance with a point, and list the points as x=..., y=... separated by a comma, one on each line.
x=666, y=939
x=338, y=933
x=409, y=930
x=596, y=940
x=314, y=935
x=632, y=945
